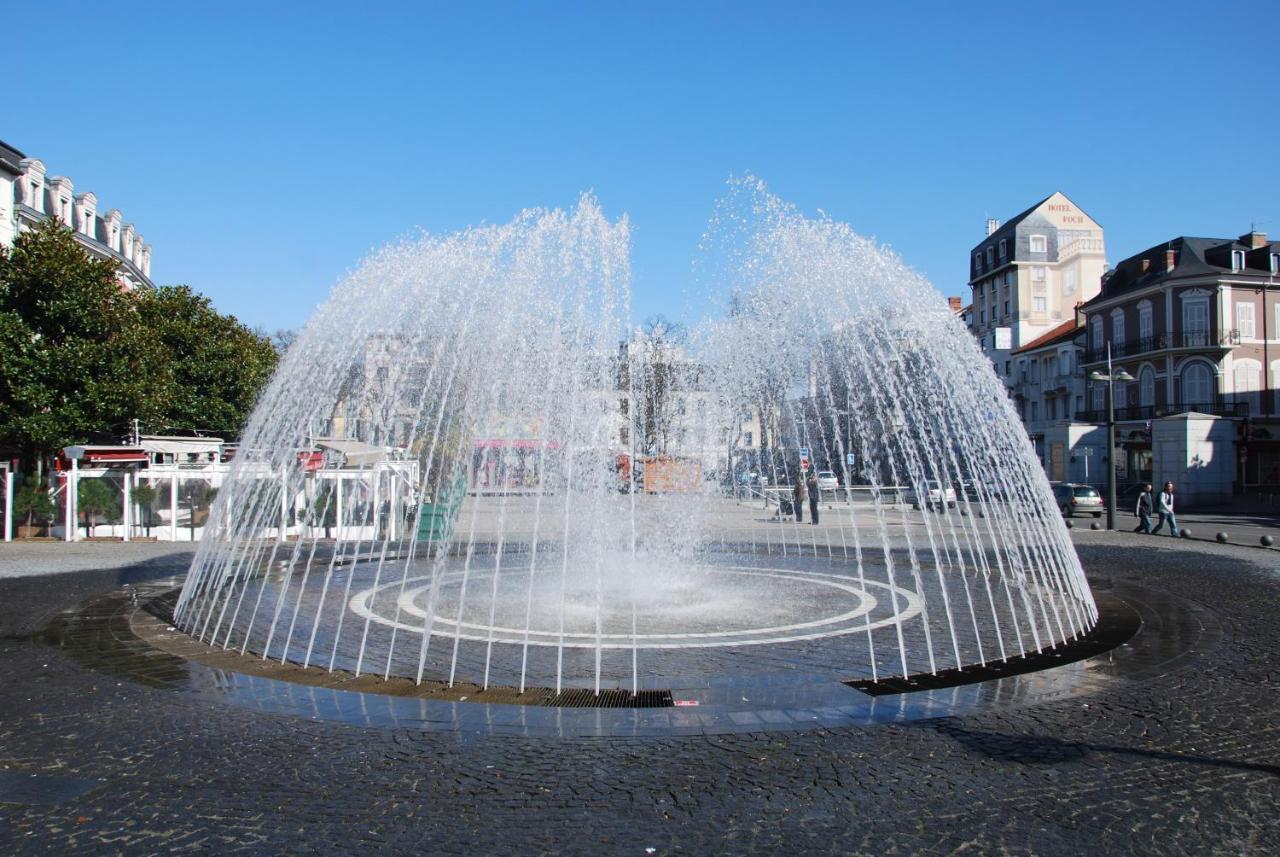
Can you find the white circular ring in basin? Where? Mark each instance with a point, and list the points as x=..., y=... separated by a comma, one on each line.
x=850, y=592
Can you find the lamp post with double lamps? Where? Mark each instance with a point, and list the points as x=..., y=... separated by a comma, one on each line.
x=1110, y=377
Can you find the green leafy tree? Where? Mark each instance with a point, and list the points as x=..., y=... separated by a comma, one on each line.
x=32, y=501
x=144, y=495
x=74, y=361
x=216, y=365
x=95, y=499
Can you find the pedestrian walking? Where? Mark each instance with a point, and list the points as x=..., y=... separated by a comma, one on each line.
x=1164, y=508
x=814, y=496
x=1146, y=504
x=798, y=496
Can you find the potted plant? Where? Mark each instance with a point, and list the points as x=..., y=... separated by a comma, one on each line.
x=32, y=501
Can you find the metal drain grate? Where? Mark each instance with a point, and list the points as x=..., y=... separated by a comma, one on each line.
x=617, y=698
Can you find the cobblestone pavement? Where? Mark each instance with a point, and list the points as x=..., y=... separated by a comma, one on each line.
x=1181, y=763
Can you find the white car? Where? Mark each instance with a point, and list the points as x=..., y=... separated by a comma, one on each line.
x=930, y=495
x=827, y=481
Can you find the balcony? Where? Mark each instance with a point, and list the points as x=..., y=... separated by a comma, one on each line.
x=1186, y=339
x=1142, y=413
x=1081, y=245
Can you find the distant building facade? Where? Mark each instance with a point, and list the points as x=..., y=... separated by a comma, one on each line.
x=1196, y=322
x=28, y=195
x=1028, y=275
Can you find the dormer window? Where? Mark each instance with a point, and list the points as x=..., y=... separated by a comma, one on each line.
x=977, y=262
x=1237, y=260
x=1039, y=244
x=1275, y=263
x=991, y=256
x=1004, y=246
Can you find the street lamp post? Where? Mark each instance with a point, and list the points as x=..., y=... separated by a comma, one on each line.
x=1110, y=378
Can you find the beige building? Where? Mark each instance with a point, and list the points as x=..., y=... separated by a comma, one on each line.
x=1028, y=275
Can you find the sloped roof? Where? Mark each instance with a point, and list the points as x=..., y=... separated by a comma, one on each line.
x=1192, y=257
x=1062, y=332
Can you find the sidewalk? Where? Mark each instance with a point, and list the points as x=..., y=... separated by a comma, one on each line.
x=1242, y=528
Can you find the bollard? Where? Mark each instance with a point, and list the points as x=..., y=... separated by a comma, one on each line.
x=1095, y=526
x=1222, y=538
x=1266, y=541
x=1186, y=534
x=1070, y=523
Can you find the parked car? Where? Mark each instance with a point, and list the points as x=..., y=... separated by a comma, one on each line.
x=827, y=481
x=1073, y=497
x=930, y=495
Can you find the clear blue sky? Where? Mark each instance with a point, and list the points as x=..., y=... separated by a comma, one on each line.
x=265, y=148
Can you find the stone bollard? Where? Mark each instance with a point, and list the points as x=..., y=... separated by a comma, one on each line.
x=1266, y=541
x=1095, y=526
x=1186, y=534
x=1070, y=523
x=1222, y=538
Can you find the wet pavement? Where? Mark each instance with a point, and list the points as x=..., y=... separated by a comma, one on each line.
x=1166, y=745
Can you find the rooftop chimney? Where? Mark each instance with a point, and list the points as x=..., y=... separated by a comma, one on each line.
x=1146, y=265
x=992, y=226
x=1253, y=238
x=955, y=304
x=1170, y=258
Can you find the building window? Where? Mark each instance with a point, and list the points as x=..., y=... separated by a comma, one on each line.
x=977, y=262
x=1006, y=306
x=1039, y=304
x=1248, y=378
x=1039, y=273
x=1096, y=327
x=1004, y=248
x=991, y=257
x=1039, y=244
x=1035, y=411
x=1195, y=321
x=1147, y=387
x=749, y=438
x=1099, y=397
x=982, y=317
x=979, y=291
x=1069, y=281
x=1244, y=321
x=1237, y=260
x=1079, y=404
x=1144, y=324
x=1197, y=385
x=1275, y=263
x=1117, y=328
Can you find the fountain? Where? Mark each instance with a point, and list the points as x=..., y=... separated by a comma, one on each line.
x=473, y=468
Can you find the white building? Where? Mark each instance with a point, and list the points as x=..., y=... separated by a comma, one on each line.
x=1029, y=274
x=28, y=195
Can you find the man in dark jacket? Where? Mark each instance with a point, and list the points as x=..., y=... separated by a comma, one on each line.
x=814, y=495
x=798, y=496
x=1146, y=503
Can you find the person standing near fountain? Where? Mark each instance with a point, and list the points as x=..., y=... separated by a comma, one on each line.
x=798, y=495
x=814, y=495
x=1165, y=510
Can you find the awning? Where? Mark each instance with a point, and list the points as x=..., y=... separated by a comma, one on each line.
x=105, y=455
x=355, y=453
x=181, y=445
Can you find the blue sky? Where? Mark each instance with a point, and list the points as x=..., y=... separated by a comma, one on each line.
x=264, y=148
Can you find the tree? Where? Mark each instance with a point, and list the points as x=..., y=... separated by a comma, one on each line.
x=216, y=365
x=94, y=499
x=32, y=501
x=73, y=359
x=144, y=495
